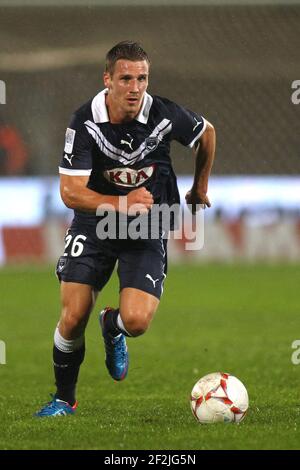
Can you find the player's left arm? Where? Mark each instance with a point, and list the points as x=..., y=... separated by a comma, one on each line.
x=205, y=154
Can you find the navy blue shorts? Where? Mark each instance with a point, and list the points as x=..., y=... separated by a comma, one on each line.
x=142, y=264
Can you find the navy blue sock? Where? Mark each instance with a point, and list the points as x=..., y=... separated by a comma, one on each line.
x=110, y=323
x=66, y=370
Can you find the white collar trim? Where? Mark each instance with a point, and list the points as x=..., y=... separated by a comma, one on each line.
x=145, y=109
x=99, y=109
x=100, y=113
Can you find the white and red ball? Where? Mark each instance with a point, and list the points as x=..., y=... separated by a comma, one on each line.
x=219, y=397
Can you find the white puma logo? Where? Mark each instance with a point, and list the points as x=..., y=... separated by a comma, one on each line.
x=151, y=279
x=198, y=123
x=69, y=158
x=128, y=143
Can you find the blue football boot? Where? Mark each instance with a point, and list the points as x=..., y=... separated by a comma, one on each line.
x=56, y=407
x=116, y=350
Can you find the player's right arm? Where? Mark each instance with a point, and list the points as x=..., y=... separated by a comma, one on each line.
x=76, y=195
x=75, y=170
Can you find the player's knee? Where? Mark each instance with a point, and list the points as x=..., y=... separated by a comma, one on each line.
x=137, y=322
x=72, y=322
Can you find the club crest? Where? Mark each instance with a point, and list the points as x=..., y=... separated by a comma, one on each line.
x=61, y=264
x=151, y=143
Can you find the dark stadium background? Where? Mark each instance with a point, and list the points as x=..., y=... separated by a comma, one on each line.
x=233, y=306
x=204, y=57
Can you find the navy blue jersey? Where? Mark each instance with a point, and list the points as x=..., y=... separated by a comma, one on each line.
x=121, y=157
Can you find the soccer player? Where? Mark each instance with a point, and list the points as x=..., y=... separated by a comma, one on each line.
x=117, y=157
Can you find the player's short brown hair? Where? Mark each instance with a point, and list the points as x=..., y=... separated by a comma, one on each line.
x=129, y=50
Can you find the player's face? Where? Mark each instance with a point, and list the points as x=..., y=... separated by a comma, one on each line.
x=126, y=88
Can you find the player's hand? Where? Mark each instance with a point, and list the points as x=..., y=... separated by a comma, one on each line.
x=193, y=198
x=139, y=201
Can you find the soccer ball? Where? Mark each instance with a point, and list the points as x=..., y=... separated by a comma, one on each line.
x=219, y=398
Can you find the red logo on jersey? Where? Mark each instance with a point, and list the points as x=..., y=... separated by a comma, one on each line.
x=128, y=176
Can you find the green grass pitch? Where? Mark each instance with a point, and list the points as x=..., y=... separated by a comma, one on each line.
x=236, y=319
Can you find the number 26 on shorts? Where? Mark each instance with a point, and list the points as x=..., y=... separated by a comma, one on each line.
x=76, y=245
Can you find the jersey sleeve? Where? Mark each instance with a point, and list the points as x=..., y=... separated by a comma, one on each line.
x=187, y=126
x=77, y=154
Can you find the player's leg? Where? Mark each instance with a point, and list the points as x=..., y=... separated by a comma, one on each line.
x=84, y=269
x=142, y=271
x=69, y=346
x=137, y=309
